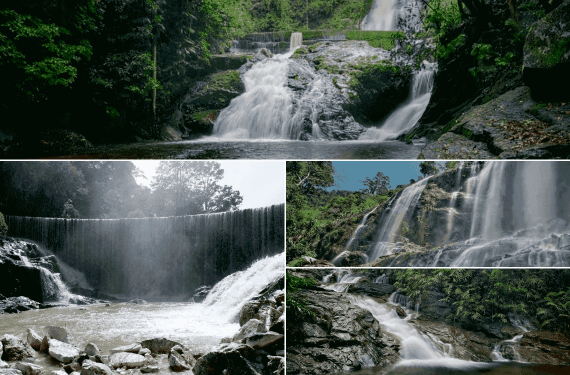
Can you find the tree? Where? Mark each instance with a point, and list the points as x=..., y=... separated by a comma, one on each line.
x=380, y=184
x=428, y=168
x=309, y=176
x=191, y=188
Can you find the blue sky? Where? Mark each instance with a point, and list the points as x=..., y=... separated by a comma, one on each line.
x=349, y=173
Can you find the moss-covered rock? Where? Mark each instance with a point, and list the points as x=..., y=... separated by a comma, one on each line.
x=207, y=98
x=547, y=55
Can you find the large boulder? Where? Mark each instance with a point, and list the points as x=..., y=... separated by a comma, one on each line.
x=34, y=339
x=92, y=349
x=16, y=349
x=232, y=359
x=94, y=368
x=180, y=359
x=132, y=348
x=252, y=327
x=58, y=333
x=207, y=98
x=62, y=351
x=29, y=368
x=340, y=336
x=128, y=360
x=547, y=55
x=159, y=346
x=201, y=293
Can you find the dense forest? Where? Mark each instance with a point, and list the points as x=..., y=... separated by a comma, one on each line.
x=104, y=190
x=313, y=212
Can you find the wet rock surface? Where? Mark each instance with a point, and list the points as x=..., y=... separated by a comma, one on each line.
x=512, y=126
x=339, y=337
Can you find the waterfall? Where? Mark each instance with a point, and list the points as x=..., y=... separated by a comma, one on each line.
x=408, y=113
x=168, y=256
x=296, y=41
x=357, y=230
x=401, y=211
x=229, y=295
x=265, y=110
x=385, y=14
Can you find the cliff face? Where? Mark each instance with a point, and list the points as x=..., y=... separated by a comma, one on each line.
x=475, y=214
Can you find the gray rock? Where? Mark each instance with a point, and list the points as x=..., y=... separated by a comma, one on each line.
x=249, y=311
x=144, y=351
x=92, y=349
x=34, y=339
x=337, y=338
x=29, y=368
x=44, y=346
x=93, y=368
x=276, y=365
x=58, y=372
x=71, y=367
x=251, y=327
x=149, y=369
x=232, y=359
x=128, y=360
x=61, y=351
x=58, y=333
x=262, y=340
x=16, y=349
x=180, y=360
x=10, y=371
x=132, y=348
x=279, y=325
x=159, y=346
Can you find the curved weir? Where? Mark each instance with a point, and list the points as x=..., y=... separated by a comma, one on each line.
x=158, y=257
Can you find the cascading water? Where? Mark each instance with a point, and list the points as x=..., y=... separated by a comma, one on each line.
x=155, y=257
x=265, y=110
x=296, y=41
x=385, y=14
x=358, y=229
x=391, y=222
x=409, y=113
x=382, y=279
x=229, y=295
x=343, y=279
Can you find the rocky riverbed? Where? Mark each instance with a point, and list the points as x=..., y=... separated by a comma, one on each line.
x=256, y=348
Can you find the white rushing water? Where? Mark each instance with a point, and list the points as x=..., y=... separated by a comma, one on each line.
x=265, y=109
x=385, y=14
x=358, y=229
x=229, y=295
x=408, y=113
x=400, y=211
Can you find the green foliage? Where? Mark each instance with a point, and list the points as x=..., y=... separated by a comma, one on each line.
x=37, y=54
x=3, y=226
x=296, y=305
x=451, y=164
x=376, y=39
x=477, y=295
x=440, y=17
x=481, y=51
x=428, y=168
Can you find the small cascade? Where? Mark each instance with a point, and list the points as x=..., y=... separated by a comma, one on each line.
x=382, y=279
x=229, y=295
x=343, y=280
x=459, y=172
x=53, y=288
x=358, y=229
x=510, y=346
x=409, y=113
x=401, y=211
x=296, y=41
x=404, y=301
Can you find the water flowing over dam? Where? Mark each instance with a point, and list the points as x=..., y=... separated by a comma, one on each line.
x=507, y=213
x=160, y=257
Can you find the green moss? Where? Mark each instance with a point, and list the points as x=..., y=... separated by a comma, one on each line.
x=224, y=80
x=557, y=50
x=3, y=225
x=376, y=39
x=467, y=133
x=296, y=262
